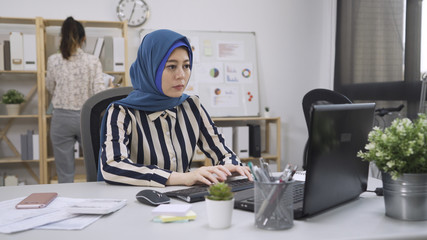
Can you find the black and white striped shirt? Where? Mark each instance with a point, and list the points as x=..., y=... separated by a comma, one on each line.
x=143, y=148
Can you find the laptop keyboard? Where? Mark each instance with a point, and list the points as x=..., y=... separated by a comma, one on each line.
x=198, y=193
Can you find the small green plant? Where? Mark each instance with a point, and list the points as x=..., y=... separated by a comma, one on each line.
x=12, y=97
x=400, y=148
x=220, y=192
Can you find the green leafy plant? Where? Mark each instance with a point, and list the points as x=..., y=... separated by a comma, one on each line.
x=12, y=97
x=400, y=148
x=220, y=191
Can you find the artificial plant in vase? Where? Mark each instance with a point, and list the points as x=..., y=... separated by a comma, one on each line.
x=12, y=98
x=400, y=153
x=219, y=205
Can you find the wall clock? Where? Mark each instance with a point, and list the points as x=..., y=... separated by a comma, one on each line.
x=136, y=12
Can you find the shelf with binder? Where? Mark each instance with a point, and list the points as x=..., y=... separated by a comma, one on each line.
x=32, y=81
x=22, y=74
x=95, y=30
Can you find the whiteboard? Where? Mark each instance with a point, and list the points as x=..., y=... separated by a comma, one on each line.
x=224, y=74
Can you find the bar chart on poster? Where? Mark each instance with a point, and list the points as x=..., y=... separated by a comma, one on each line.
x=224, y=73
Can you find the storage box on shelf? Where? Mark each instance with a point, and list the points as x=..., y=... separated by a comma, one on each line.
x=38, y=93
x=94, y=30
x=12, y=125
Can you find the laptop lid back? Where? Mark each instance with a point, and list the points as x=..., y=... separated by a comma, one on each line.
x=334, y=173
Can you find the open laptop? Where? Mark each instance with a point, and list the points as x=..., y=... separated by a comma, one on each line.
x=334, y=174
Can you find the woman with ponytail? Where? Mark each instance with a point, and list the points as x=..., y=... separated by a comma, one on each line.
x=72, y=77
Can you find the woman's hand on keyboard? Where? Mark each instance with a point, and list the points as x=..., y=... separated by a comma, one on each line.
x=242, y=170
x=207, y=175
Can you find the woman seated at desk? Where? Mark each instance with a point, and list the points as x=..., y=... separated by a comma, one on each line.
x=150, y=137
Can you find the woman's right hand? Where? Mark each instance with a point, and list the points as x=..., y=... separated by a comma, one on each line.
x=206, y=175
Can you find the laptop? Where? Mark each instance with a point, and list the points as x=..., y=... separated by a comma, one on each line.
x=334, y=174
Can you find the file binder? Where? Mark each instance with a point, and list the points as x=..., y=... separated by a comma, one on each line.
x=7, y=55
x=36, y=147
x=107, y=54
x=24, y=147
x=119, y=54
x=227, y=134
x=1, y=56
x=30, y=55
x=16, y=51
x=241, y=141
x=98, y=47
x=52, y=44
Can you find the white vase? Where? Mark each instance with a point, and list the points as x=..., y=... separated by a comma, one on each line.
x=219, y=213
x=12, y=109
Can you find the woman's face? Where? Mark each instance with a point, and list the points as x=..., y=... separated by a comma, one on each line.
x=176, y=73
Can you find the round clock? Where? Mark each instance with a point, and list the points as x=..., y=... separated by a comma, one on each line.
x=134, y=11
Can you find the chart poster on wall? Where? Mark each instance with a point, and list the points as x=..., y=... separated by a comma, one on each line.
x=224, y=73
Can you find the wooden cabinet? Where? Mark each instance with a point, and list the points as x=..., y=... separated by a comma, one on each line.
x=33, y=110
x=270, y=131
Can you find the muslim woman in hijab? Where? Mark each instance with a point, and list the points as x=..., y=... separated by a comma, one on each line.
x=150, y=137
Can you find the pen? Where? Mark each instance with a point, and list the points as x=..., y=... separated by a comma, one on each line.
x=252, y=170
x=265, y=168
x=285, y=173
x=294, y=170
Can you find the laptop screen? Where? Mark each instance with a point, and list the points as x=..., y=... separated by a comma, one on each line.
x=334, y=172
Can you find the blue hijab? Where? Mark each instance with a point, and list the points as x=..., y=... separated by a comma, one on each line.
x=146, y=76
x=146, y=72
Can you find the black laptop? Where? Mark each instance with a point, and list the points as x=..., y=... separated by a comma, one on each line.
x=334, y=174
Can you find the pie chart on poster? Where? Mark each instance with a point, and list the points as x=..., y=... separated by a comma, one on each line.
x=246, y=73
x=214, y=72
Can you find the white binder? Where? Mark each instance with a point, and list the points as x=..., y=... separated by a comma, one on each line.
x=36, y=147
x=16, y=51
x=52, y=44
x=241, y=141
x=227, y=134
x=119, y=54
x=30, y=54
x=98, y=47
x=107, y=54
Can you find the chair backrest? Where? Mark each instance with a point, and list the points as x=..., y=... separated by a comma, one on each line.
x=91, y=116
x=321, y=96
x=315, y=97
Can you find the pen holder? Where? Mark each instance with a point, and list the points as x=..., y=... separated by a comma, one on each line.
x=274, y=205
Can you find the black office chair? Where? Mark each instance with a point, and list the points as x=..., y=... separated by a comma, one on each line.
x=316, y=97
x=91, y=116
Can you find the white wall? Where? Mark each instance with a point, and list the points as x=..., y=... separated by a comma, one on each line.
x=295, y=43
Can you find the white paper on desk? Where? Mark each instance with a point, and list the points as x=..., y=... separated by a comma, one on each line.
x=31, y=223
x=74, y=223
x=15, y=220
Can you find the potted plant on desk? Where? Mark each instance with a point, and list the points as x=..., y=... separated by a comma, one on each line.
x=400, y=152
x=219, y=205
x=12, y=99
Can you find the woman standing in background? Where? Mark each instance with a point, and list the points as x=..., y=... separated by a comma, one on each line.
x=72, y=77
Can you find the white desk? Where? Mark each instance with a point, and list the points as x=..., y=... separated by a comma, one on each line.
x=360, y=219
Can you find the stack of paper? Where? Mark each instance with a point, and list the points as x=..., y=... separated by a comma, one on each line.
x=173, y=213
x=62, y=213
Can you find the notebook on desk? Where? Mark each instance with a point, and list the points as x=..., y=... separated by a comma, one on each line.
x=334, y=173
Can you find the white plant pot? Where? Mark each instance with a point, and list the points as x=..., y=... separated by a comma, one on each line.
x=12, y=109
x=219, y=213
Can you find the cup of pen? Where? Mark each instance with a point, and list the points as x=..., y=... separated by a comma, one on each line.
x=274, y=204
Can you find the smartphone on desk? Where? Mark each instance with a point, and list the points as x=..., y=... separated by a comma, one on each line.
x=37, y=200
